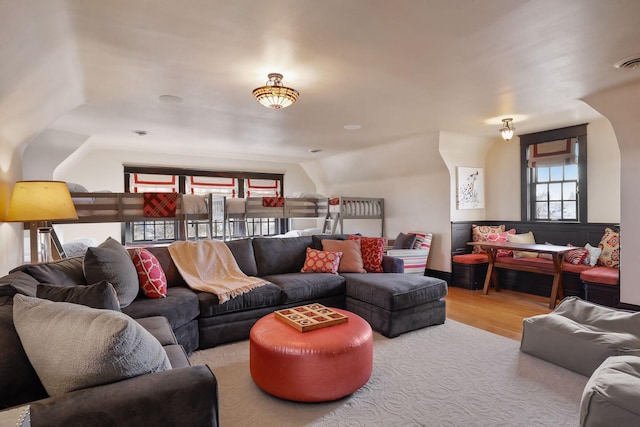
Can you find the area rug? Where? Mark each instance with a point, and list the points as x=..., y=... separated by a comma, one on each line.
x=446, y=375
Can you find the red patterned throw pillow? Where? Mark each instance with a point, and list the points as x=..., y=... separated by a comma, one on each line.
x=610, y=245
x=321, y=261
x=502, y=238
x=478, y=232
x=150, y=274
x=576, y=256
x=372, y=249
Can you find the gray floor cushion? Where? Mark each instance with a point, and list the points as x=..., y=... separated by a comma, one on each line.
x=580, y=335
x=612, y=394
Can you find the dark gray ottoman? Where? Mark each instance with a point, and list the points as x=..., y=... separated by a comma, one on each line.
x=395, y=303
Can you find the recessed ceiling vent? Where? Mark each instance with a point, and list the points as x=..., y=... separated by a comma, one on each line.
x=630, y=63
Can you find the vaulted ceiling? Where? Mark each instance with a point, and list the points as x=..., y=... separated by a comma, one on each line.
x=398, y=68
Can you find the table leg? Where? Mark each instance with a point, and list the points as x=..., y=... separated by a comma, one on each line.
x=556, y=290
x=492, y=274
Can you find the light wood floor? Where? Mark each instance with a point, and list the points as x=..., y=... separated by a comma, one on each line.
x=498, y=312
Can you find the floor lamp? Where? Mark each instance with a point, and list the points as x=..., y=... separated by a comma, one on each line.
x=41, y=202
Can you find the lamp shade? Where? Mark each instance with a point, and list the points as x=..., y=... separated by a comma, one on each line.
x=40, y=201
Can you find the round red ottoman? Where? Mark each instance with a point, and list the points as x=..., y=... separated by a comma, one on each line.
x=314, y=366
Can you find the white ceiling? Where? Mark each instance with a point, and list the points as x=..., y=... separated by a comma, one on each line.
x=398, y=68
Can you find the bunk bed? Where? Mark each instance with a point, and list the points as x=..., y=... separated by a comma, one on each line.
x=346, y=208
x=332, y=211
x=226, y=210
x=96, y=207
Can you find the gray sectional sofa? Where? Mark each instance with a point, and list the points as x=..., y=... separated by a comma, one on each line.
x=135, y=401
x=392, y=302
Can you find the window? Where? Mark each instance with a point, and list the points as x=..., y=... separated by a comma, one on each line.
x=556, y=190
x=554, y=171
x=138, y=179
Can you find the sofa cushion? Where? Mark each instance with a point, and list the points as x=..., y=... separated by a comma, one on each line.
x=268, y=295
x=98, y=295
x=372, y=249
x=602, y=275
x=321, y=261
x=351, y=260
x=174, y=278
x=153, y=281
x=471, y=258
x=404, y=241
x=298, y=287
x=316, y=241
x=395, y=291
x=20, y=383
x=110, y=261
x=22, y=282
x=179, y=307
x=72, y=347
x=280, y=255
x=67, y=271
x=242, y=250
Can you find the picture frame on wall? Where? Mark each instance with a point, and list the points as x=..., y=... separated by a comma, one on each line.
x=470, y=190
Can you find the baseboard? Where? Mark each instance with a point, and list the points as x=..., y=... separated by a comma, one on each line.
x=439, y=275
x=630, y=307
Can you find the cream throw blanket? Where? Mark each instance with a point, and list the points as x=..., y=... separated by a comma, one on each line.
x=209, y=266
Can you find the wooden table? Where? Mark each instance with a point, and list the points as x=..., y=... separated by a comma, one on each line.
x=556, y=253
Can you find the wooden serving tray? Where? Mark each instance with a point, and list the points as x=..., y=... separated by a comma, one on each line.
x=311, y=316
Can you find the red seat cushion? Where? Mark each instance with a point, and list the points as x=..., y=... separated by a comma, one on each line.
x=602, y=275
x=471, y=259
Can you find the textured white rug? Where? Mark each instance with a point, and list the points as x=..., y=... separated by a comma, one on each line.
x=446, y=375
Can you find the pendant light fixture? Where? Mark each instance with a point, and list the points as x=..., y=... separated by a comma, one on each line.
x=274, y=95
x=507, y=129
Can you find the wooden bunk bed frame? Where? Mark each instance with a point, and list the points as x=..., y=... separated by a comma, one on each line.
x=332, y=211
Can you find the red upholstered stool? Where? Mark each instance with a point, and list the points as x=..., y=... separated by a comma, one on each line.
x=314, y=366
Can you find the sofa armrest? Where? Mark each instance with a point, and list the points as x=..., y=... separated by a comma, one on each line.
x=179, y=397
x=391, y=264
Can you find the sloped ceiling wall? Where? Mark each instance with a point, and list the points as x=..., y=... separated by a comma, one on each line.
x=40, y=80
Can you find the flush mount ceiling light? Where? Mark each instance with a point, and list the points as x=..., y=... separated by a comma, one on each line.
x=274, y=94
x=507, y=129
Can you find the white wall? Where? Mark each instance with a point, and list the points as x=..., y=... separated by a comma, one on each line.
x=47, y=151
x=39, y=80
x=621, y=105
x=465, y=151
x=412, y=178
x=603, y=176
x=603, y=172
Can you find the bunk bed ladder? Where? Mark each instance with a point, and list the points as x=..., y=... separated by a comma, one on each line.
x=331, y=222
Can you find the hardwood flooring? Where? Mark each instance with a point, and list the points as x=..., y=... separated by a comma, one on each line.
x=498, y=312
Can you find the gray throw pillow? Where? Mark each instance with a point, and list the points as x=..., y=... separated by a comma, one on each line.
x=110, y=261
x=404, y=241
x=98, y=295
x=72, y=347
x=67, y=271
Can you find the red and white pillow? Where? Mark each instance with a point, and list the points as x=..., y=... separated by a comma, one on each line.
x=372, y=249
x=502, y=237
x=479, y=231
x=321, y=261
x=153, y=281
x=576, y=256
